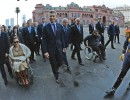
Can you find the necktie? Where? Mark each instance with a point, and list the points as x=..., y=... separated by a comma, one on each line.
x=54, y=29
x=65, y=29
x=79, y=28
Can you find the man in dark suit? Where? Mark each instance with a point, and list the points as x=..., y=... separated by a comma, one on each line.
x=91, y=27
x=117, y=32
x=4, y=51
x=29, y=38
x=111, y=34
x=53, y=44
x=39, y=31
x=67, y=34
x=100, y=28
x=77, y=39
x=37, y=45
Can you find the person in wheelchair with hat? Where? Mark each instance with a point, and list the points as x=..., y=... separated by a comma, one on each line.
x=94, y=41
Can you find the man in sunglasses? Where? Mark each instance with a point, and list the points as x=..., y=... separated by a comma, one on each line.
x=4, y=50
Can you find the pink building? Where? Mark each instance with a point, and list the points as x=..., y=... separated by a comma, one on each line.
x=72, y=10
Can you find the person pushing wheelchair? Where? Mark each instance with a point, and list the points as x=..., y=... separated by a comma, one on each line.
x=94, y=41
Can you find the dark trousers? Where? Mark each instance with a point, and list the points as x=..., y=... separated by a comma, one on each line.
x=37, y=47
x=100, y=50
x=122, y=74
x=32, y=49
x=117, y=35
x=77, y=50
x=56, y=62
x=65, y=59
x=102, y=38
x=111, y=37
x=3, y=70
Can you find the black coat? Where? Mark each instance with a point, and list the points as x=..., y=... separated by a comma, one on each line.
x=4, y=46
x=91, y=28
x=100, y=27
x=117, y=29
x=52, y=43
x=29, y=38
x=76, y=35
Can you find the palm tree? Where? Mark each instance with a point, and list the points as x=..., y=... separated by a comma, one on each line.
x=17, y=10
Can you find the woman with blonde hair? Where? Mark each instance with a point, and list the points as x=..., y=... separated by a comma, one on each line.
x=19, y=53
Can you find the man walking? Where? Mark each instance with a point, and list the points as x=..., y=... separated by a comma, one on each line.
x=111, y=34
x=100, y=28
x=4, y=51
x=53, y=44
x=29, y=38
x=77, y=39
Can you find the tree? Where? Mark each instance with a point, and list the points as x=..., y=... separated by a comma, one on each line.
x=17, y=10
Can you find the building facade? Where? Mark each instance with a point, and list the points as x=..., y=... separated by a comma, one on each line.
x=87, y=14
x=125, y=10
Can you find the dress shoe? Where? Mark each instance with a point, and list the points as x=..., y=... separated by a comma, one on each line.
x=73, y=58
x=5, y=82
x=81, y=64
x=110, y=92
x=68, y=69
x=11, y=75
x=104, y=58
x=58, y=81
x=119, y=43
x=33, y=60
x=113, y=48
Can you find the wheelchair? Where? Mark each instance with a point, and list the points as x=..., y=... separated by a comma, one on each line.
x=90, y=54
x=29, y=75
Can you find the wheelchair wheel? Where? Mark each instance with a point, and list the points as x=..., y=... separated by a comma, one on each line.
x=88, y=52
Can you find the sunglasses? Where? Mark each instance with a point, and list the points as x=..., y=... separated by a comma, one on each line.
x=16, y=42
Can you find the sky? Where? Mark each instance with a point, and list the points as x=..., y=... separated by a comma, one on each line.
x=7, y=7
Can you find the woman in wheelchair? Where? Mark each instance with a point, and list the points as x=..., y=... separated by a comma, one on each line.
x=19, y=53
x=94, y=41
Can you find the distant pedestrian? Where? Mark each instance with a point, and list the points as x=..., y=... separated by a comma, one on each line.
x=111, y=35
x=117, y=33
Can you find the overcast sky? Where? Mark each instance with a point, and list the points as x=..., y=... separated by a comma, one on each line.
x=7, y=7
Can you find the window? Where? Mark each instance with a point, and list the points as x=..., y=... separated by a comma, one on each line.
x=72, y=14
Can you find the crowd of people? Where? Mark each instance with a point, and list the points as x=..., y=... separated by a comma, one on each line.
x=52, y=39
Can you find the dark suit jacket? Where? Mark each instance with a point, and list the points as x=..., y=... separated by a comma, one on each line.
x=117, y=29
x=29, y=38
x=67, y=37
x=76, y=35
x=91, y=28
x=100, y=27
x=4, y=46
x=52, y=43
x=111, y=30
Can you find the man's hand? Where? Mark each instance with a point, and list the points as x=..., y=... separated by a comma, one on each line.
x=122, y=56
x=34, y=42
x=46, y=55
x=64, y=49
x=6, y=54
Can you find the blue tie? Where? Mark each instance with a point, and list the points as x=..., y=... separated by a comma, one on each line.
x=54, y=29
